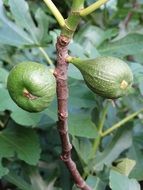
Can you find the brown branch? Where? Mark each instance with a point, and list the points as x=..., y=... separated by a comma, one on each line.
x=130, y=14
x=62, y=97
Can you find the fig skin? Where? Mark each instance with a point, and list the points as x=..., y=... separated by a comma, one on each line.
x=107, y=76
x=32, y=86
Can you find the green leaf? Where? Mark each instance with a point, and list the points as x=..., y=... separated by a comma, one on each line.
x=129, y=45
x=119, y=181
x=20, y=11
x=24, y=142
x=18, y=181
x=83, y=148
x=3, y=77
x=37, y=182
x=80, y=124
x=136, y=154
x=3, y=170
x=43, y=25
x=74, y=72
x=25, y=118
x=18, y=115
x=24, y=30
x=23, y=18
x=96, y=183
x=10, y=34
x=6, y=101
x=121, y=141
x=80, y=95
x=89, y=33
x=125, y=166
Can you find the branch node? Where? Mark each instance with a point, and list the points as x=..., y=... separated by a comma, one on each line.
x=63, y=115
x=63, y=41
x=81, y=186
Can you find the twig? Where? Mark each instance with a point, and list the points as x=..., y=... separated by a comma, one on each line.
x=55, y=12
x=46, y=56
x=88, y=10
x=62, y=96
x=130, y=15
x=121, y=123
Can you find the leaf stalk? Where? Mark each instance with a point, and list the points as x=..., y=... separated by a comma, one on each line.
x=55, y=12
x=120, y=123
x=88, y=10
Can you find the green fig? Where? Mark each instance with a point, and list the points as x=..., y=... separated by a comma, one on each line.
x=32, y=86
x=107, y=76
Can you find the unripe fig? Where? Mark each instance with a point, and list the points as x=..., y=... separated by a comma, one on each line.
x=32, y=86
x=107, y=76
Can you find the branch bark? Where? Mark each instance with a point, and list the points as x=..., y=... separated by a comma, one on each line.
x=62, y=97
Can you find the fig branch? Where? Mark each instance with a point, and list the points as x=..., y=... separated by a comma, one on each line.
x=68, y=27
x=62, y=96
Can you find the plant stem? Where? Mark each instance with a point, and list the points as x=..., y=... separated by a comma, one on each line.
x=88, y=10
x=62, y=91
x=73, y=19
x=100, y=127
x=55, y=12
x=62, y=96
x=46, y=56
x=120, y=123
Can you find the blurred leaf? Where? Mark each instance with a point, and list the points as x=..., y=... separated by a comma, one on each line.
x=121, y=141
x=137, y=70
x=96, y=183
x=6, y=101
x=18, y=181
x=89, y=35
x=18, y=115
x=3, y=170
x=24, y=142
x=83, y=147
x=80, y=95
x=43, y=25
x=10, y=34
x=136, y=154
x=129, y=45
x=24, y=31
x=25, y=118
x=38, y=183
x=80, y=125
x=77, y=50
x=3, y=77
x=20, y=11
x=74, y=73
x=125, y=166
x=119, y=181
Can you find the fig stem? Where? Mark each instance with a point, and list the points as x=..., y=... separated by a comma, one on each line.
x=121, y=123
x=88, y=10
x=55, y=12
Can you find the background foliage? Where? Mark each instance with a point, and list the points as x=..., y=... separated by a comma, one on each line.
x=29, y=142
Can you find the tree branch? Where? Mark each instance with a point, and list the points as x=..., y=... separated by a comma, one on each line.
x=62, y=96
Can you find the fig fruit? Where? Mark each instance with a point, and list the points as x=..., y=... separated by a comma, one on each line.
x=107, y=76
x=32, y=86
